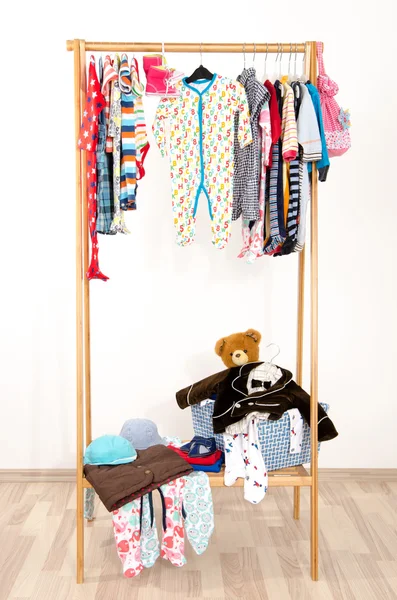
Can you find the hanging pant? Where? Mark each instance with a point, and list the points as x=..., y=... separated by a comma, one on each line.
x=198, y=510
x=244, y=459
x=128, y=531
x=126, y=527
x=150, y=545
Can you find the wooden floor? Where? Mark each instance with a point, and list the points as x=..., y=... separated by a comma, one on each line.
x=257, y=552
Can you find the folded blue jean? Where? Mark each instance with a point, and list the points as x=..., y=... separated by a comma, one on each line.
x=215, y=468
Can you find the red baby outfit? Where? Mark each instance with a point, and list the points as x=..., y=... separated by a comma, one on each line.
x=95, y=102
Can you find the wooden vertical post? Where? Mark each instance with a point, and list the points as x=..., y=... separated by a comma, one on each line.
x=86, y=251
x=301, y=318
x=314, y=350
x=79, y=320
x=299, y=352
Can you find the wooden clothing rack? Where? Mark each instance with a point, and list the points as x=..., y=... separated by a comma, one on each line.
x=294, y=476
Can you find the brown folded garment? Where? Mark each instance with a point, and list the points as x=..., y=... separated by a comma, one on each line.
x=117, y=485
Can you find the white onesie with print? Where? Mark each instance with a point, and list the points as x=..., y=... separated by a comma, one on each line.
x=244, y=459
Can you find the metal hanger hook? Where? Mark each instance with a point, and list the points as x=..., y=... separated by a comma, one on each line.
x=289, y=59
x=277, y=55
x=277, y=353
x=280, y=57
x=267, y=51
x=296, y=55
x=244, y=53
x=253, y=58
x=162, y=50
x=201, y=53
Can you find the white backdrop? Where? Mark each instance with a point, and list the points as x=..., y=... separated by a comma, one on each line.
x=155, y=323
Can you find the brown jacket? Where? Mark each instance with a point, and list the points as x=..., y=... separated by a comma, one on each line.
x=233, y=401
x=117, y=485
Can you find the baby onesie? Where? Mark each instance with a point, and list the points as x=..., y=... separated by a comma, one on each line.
x=294, y=188
x=127, y=532
x=141, y=139
x=109, y=76
x=198, y=510
x=247, y=159
x=114, y=131
x=128, y=143
x=130, y=524
x=274, y=189
x=150, y=545
x=253, y=233
x=244, y=458
x=310, y=142
x=88, y=141
x=199, y=144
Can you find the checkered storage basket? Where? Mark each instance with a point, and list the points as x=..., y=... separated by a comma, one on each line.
x=274, y=437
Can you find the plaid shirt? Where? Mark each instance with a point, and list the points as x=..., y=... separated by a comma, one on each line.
x=247, y=160
x=105, y=203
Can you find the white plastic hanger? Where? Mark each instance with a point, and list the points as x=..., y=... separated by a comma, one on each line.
x=290, y=74
x=277, y=353
x=275, y=76
x=303, y=77
x=265, y=77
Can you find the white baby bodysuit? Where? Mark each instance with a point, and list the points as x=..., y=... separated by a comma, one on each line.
x=243, y=458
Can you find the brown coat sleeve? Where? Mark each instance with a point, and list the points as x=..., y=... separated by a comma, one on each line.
x=201, y=390
x=326, y=428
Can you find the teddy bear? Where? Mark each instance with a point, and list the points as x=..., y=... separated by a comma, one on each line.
x=238, y=349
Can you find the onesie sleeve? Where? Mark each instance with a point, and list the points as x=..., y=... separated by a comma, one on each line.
x=240, y=102
x=160, y=124
x=288, y=126
x=308, y=130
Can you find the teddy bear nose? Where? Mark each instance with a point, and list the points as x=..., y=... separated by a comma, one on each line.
x=238, y=355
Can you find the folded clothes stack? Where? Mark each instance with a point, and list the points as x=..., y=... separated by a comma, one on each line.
x=201, y=453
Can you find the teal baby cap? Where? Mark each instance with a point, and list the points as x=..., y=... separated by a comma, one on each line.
x=109, y=450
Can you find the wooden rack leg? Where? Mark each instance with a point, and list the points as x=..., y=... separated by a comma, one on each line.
x=86, y=250
x=314, y=352
x=297, y=502
x=299, y=351
x=79, y=324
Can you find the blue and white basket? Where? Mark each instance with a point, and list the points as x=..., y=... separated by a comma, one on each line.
x=274, y=437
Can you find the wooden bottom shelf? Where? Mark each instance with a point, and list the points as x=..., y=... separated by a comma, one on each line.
x=291, y=476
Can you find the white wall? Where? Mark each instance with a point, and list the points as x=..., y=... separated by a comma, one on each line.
x=154, y=324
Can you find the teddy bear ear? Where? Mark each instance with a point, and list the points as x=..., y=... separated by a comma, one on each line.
x=219, y=346
x=254, y=334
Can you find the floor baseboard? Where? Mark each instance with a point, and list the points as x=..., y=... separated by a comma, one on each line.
x=69, y=475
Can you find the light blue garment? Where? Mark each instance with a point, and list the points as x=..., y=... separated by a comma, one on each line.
x=109, y=450
x=142, y=433
x=198, y=510
x=315, y=96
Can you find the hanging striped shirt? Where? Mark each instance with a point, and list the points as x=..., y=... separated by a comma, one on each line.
x=109, y=75
x=288, y=125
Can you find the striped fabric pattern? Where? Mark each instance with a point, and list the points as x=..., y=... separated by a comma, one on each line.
x=128, y=154
x=109, y=75
x=125, y=82
x=274, y=239
x=128, y=141
x=118, y=223
x=293, y=207
x=288, y=125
